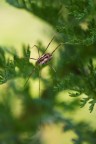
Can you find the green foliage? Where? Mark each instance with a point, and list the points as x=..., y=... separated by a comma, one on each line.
x=40, y=8
x=8, y=67
x=75, y=23
x=81, y=84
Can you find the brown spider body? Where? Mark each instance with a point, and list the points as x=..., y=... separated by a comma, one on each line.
x=44, y=59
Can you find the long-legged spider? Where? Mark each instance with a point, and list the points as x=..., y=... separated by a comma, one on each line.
x=43, y=59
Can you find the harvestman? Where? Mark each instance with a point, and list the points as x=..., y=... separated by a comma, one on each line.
x=43, y=59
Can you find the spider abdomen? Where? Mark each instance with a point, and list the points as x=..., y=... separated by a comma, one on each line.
x=44, y=59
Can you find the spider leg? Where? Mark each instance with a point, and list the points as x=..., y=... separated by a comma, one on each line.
x=39, y=66
x=39, y=81
x=52, y=68
x=37, y=49
x=33, y=58
x=56, y=48
x=29, y=77
x=40, y=126
x=49, y=44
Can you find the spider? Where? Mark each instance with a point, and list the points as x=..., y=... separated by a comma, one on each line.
x=43, y=59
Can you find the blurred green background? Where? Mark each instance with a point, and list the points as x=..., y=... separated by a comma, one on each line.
x=55, y=118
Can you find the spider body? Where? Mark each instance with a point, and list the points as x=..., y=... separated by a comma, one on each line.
x=44, y=59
